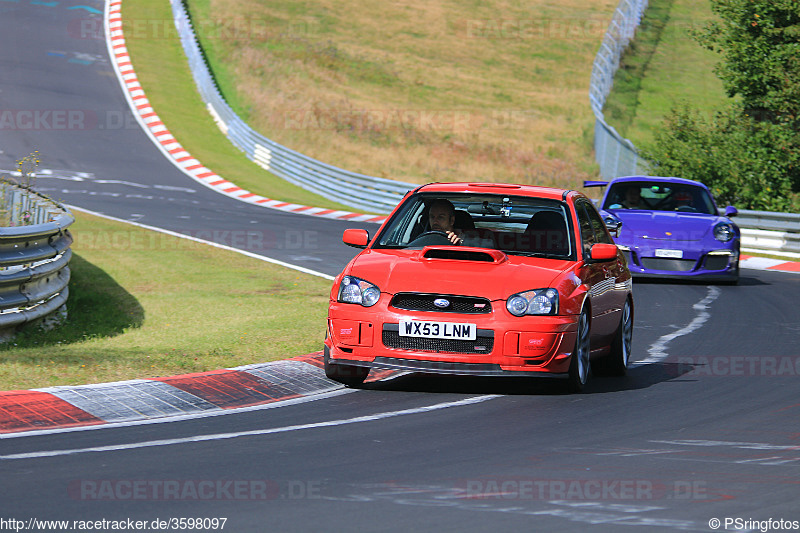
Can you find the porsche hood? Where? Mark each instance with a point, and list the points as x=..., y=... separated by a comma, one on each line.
x=665, y=225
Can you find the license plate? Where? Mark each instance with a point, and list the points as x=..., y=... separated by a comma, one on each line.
x=438, y=330
x=673, y=254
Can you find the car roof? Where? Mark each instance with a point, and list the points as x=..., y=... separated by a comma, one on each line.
x=662, y=179
x=497, y=188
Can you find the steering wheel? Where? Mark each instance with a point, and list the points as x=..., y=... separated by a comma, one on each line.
x=430, y=238
x=686, y=209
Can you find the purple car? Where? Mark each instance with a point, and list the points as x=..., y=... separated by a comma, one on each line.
x=670, y=227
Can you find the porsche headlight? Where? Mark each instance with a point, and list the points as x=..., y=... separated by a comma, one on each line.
x=724, y=232
x=358, y=291
x=533, y=302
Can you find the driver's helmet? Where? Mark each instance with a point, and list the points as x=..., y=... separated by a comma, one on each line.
x=682, y=198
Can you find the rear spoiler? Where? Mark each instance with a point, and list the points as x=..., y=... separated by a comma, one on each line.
x=592, y=183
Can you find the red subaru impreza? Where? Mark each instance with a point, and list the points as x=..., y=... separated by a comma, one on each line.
x=483, y=279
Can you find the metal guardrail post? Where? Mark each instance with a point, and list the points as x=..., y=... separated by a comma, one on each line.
x=34, y=257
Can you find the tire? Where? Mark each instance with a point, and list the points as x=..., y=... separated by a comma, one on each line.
x=579, y=364
x=616, y=363
x=348, y=375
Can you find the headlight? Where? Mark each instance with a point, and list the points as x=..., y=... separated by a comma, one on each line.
x=533, y=302
x=357, y=291
x=724, y=232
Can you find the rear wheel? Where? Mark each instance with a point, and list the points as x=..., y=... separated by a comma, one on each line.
x=579, y=362
x=349, y=375
x=616, y=363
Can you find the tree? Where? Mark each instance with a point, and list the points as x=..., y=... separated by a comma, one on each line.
x=759, y=41
x=749, y=152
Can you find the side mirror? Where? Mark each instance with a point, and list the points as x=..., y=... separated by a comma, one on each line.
x=357, y=238
x=731, y=211
x=613, y=224
x=603, y=252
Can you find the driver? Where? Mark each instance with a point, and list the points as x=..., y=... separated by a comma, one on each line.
x=441, y=217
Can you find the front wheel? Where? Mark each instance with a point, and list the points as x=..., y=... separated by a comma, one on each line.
x=348, y=375
x=579, y=362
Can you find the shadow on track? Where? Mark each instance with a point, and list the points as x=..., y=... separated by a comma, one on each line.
x=638, y=377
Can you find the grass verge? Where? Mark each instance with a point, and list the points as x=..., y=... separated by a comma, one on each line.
x=145, y=304
x=163, y=71
x=420, y=91
x=663, y=66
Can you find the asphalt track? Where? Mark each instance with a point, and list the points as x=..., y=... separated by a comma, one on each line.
x=705, y=426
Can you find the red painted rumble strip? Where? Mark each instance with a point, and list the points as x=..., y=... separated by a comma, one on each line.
x=28, y=410
x=790, y=266
x=315, y=359
x=229, y=389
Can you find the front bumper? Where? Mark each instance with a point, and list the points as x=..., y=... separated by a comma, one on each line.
x=700, y=264
x=505, y=345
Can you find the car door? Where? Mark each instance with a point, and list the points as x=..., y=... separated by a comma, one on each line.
x=601, y=277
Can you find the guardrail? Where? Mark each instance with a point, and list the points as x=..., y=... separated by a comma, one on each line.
x=770, y=233
x=34, y=257
x=349, y=188
x=616, y=155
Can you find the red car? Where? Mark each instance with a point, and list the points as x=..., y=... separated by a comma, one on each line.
x=483, y=279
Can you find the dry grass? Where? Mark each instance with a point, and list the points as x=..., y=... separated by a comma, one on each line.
x=416, y=91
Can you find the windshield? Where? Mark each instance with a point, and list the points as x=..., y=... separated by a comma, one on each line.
x=513, y=224
x=659, y=196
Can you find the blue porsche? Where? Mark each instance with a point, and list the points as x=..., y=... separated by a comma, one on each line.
x=671, y=227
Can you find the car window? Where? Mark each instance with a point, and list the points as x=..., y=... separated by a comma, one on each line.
x=659, y=196
x=593, y=229
x=514, y=224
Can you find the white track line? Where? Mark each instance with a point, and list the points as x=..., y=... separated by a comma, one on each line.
x=222, y=436
x=658, y=350
x=210, y=243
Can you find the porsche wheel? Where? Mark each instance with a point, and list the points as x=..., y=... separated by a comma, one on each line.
x=348, y=375
x=579, y=362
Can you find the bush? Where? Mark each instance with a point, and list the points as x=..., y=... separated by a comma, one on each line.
x=746, y=162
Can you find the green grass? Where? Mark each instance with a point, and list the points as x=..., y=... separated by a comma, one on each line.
x=144, y=304
x=163, y=71
x=330, y=79
x=663, y=67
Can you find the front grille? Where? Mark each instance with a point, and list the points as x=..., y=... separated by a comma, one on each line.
x=483, y=343
x=411, y=301
x=717, y=262
x=661, y=263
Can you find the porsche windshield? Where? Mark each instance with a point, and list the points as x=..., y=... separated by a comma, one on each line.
x=659, y=196
x=513, y=224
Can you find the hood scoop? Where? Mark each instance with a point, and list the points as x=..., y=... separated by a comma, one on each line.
x=481, y=255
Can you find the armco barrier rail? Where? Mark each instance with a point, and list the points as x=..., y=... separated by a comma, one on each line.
x=349, y=188
x=772, y=233
x=34, y=256
x=616, y=155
